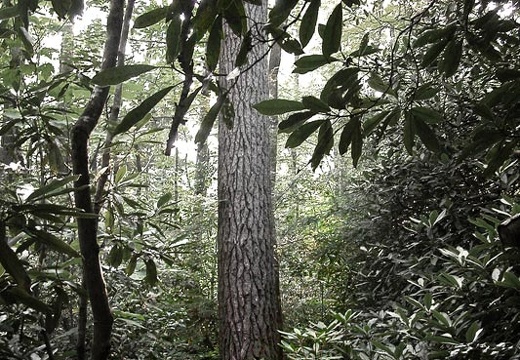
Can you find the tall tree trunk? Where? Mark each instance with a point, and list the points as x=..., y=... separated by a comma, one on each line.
x=87, y=226
x=247, y=291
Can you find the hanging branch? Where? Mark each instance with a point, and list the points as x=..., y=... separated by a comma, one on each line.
x=87, y=226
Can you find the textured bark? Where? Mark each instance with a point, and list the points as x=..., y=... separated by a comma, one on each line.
x=87, y=227
x=248, y=295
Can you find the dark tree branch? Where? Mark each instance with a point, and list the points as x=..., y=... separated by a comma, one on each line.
x=87, y=227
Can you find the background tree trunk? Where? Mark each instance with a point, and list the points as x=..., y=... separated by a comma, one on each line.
x=248, y=295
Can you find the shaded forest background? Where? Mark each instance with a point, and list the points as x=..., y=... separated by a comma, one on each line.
x=397, y=128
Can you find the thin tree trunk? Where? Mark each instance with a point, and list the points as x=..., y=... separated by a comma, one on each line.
x=87, y=226
x=247, y=291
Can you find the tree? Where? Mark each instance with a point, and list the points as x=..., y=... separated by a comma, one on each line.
x=249, y=307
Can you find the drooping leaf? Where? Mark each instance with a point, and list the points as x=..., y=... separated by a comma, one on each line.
x=346, y=135
x=308, y=23
x=213, y=44
x=356, y=146
x=163, y=200
x=427, y=115
x=9, y=12
x=137, y=114
x=61, y=7
x=370, y=124
x=451, y=58
x=434, y=35
x=245, y=47
x=281, y=11
x=173, y=38
x=473, y=332
x=115, y=256
x=151, y=272
x=339, y=82
x=117, y=75
x=21, y=295
x=52, y=241
x=332, y=32
x=209, y=120
x=302, y=133
x=314, y=104
x=130, y=267
x=151, y=17
x=324, y=145
x=294, y=121
x=278, y=106
x=433, y=53
x=409, y=132
x=55, y=187
x=425, y=91
x=12, y=264
x=235, y=16
x=378, y=84
x=427, y=135
x=205, y=17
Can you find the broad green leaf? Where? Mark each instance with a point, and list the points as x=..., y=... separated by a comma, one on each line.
x=204, y=18
x=370, y=124
x=173, y=38
x=302, y=133
x=473, y=332
x=310, y=63
x=281, y=11
x=130, y=267
x=120, y=174
x=9, y=12
x=425, y=91
x=151, y=17
x=308, y=23
x=117, y=75
x=356, y=146
x=22, y=296
x=209, y=120
x=378, y=84
x=426, y=114
x=442, y=317
x=213, y=44
x=426, y=135
x=151, y=272
x=434, y=35
x=278, y=106
x=52, y=241
x=339, y=82
x=409, y=132
x=294, y=121
x=347, y=134
x=433, y=53
x=61, y=7
x=12, y=264
x=236, y=17
x=442, y=339
x=115, y=256
x=324, y=145
x=290, y=45
x=496, y=157
x=245, y=47
x=332, y=32
x=314, y=104
x=138, y=113
x=451, y=58
x=163, y=200
x=55, y=187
